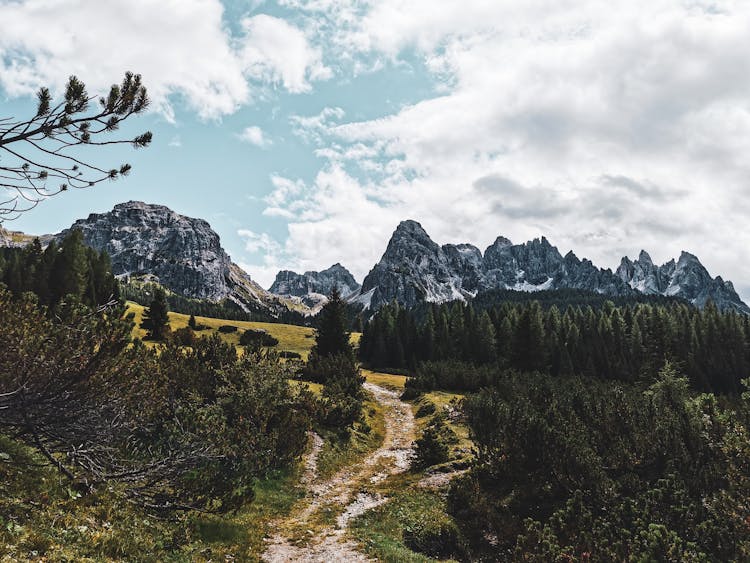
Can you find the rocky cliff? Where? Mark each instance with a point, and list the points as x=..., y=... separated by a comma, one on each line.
x=300, y=285
x=182, y=253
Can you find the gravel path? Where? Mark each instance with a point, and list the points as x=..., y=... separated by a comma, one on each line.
x=344, y=490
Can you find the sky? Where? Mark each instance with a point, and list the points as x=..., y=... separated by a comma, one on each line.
x=304, y=131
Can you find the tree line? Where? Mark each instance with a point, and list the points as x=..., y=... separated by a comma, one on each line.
x=623, y=343
x=60, y=270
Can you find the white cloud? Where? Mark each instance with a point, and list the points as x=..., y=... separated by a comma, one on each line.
x=179, y=46
x=312, y=128
x=279, y=53
x=255, y=136
x=175, y=142
x=258, y=242
x=606, y=127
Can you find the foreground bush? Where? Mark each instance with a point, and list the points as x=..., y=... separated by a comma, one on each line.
x=178, y=428
x=433, y=446
x=575, y=469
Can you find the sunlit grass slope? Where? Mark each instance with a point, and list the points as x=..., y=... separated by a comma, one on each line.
x=291, y=338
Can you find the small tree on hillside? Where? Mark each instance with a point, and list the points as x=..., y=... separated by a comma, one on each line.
x=155, y=318
x=332, y=363
x=332, y=336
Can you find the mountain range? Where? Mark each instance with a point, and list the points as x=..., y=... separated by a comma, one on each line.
x=414, y=269
x=185, y=255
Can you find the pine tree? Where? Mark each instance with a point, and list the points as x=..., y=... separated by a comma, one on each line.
x=192, y=323
x=71, y=267
x=331, y=337
x=528, y=346
x=485, y=340
x=61, y=131
x=155, y=318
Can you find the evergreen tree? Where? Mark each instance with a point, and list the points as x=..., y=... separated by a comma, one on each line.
x=155, y=318
x=61, y=131
x=331, y=336
x=71, y=267
x=485, y=340
x=192, y=323
x=528, y=346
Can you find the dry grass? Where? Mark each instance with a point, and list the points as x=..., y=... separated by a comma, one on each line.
x=291, y=338
x=387, y=380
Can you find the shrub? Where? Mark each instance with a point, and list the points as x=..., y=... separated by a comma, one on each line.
x=341, y=401
x=290, y=355
x=227, y=329
x=432, y=447
x=252, y=337
x=425, y=409
x=184, y=336
x=178, y=427
x=439, y=538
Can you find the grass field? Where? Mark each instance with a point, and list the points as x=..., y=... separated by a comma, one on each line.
x=291, y=338
x=387, y=380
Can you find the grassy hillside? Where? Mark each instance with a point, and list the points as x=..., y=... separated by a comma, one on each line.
x=291, y=338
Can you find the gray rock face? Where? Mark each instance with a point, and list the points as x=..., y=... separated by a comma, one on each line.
x=414, y=269
x=687, y=278
x=319, y=283
x=184, y=254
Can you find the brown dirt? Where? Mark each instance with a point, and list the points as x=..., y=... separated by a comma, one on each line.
x=300, y=537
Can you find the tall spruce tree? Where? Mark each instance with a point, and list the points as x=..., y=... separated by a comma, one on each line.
x=331, y=336
x=332, y=363
x=155, y=318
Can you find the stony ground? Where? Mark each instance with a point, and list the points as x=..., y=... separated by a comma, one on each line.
x=309, y=533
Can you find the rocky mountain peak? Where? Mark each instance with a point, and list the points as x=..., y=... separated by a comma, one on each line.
x=687, y=278
x=313, y=287
x=501, y=242
x=644, y=258
x=686, y=259
x=410, y=227
x=183, y=253
x=410, y=234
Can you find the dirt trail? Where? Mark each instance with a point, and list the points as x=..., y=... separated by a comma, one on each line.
x=345, y=490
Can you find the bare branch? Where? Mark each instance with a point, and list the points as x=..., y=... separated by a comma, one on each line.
x=56, y=129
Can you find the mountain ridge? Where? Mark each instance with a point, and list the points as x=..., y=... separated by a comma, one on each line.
x=185, y=255
x=312, y=287
x=416, y=269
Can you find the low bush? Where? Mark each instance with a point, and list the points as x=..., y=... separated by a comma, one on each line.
x=184, y=336
x=425, y=409
x=252, y=337
x=439, y=538
x=290, y=355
